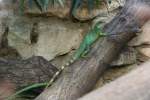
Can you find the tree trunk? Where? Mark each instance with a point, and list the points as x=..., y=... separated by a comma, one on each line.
x=24, y=72
x=133, y=86
x=81, y=76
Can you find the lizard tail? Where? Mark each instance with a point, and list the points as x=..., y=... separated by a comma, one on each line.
x=59, y=72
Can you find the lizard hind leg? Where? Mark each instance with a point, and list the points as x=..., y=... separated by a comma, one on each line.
x=102, y=34
x=84, y=54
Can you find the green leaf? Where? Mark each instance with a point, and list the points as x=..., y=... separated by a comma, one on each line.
x=21, y=6
x=90, y=5
x=26, y=89
x=61, y=2
x=75, y=4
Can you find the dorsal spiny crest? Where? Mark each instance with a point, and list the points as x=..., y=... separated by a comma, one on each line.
x=62, y=67
x=57, y=73
x=67, y=64
x=71, y=61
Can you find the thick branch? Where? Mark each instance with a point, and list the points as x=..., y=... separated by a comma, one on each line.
x=81, y=76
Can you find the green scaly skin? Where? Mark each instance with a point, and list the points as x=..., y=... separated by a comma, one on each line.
x=88, y=40
x=83, y=49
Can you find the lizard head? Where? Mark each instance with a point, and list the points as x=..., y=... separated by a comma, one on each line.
x=99, y=22
x=98, y=25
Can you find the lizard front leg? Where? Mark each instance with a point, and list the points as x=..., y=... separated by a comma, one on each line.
x=84, y=54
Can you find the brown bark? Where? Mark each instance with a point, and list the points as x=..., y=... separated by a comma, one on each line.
x=133, y=86
x=80, y=77
x=24, y=72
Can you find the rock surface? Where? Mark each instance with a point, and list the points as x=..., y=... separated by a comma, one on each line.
x=142, y=41
x=55, y=37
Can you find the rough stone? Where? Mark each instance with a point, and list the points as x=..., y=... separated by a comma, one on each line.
x=55, y=37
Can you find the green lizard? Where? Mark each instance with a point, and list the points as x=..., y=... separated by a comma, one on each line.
x=88, y=40
x=83, y=49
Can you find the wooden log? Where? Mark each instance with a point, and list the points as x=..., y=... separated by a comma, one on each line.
x=133, y=86
x=80, y=77
x=24, y=72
